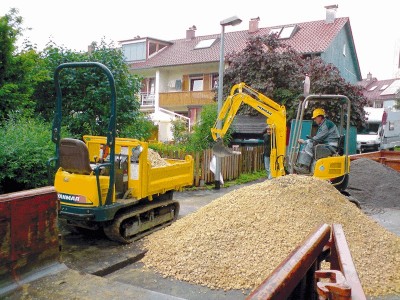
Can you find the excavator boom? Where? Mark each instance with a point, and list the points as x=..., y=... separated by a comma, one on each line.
x=274, y=113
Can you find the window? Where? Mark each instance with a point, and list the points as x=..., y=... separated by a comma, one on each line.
x=196, y=84
x=214, y=81
x=155, y=47
x=383, y=87
x=372, y=88
x=276, y=31
x=287, y=32
x=134, y=51
x=283, y=32
x=205, y=44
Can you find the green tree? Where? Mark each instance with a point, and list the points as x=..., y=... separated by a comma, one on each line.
x=201, y=138
x=278, y=71
x=17, y=76
x=180, y=131
x=86, y=92
x=397, y=104
x=140, y=128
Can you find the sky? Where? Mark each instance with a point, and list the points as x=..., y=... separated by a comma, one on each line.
x=75, y=24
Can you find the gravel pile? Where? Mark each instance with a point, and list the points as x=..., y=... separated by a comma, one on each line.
x=237, y=240
x=374, y=185
x=155, y=159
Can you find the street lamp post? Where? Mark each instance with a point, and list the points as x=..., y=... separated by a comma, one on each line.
x=232, y=21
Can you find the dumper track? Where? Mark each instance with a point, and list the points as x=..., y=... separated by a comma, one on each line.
x=142, y=220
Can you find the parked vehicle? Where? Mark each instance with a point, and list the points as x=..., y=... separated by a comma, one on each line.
x=382, y=130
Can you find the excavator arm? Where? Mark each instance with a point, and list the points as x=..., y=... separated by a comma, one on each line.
x=274, y=112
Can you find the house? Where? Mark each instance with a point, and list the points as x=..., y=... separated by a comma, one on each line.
x=181, y=75
x=381, y=93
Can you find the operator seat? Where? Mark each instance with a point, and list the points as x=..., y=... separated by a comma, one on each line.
x=323, y=150
x=340, y=148
x=74, y=156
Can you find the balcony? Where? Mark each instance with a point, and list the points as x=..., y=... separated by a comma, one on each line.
x=176, y=100
x=185, y=99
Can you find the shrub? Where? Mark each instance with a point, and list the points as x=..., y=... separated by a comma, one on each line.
x=25, y=148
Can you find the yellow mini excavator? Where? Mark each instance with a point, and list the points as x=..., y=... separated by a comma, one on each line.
x=334, y=167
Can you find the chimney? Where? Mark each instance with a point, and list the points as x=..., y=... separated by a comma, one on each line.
x=369, y=76
x=190, y=33
x=253, y=25
x=91, y=48
x=331, y=13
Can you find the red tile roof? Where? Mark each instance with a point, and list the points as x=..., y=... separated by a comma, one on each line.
x=374, y=88
x=309, y=37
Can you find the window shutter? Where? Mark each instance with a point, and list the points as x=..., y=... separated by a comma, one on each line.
x=207, y=80
x=185, y=83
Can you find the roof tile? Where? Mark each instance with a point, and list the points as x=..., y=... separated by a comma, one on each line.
x=310, y=37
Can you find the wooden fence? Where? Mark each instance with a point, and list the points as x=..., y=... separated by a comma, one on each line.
x=250, y=160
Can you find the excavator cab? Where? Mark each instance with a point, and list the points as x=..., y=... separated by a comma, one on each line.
x=331, y=163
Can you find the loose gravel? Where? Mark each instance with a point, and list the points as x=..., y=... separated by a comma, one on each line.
x=155, y=159
x=374, y=185
x=237, y=240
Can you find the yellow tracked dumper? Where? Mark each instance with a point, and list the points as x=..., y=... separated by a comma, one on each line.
x=110, y=183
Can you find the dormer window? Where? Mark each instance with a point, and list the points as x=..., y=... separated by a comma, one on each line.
x=140, y=49
x=135, y=51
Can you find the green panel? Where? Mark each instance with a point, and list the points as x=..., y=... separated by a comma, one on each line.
x=307, y=126
x=353, y=140
x=306, y=129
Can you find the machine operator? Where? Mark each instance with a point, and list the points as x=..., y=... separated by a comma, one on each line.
x=327, y=134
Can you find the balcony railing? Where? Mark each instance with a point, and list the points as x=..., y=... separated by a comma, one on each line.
x=186, y=98
x=176, y=99
x=147, y=100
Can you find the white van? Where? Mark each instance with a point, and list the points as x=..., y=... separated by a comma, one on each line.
x=382, y=130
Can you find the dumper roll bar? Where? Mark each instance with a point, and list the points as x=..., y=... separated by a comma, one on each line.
x=111, y=132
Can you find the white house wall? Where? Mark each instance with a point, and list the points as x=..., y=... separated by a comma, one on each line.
x=169, y=74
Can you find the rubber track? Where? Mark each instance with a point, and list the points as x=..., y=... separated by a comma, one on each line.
x=113, y=231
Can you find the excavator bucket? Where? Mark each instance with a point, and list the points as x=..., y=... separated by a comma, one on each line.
x=220, y=150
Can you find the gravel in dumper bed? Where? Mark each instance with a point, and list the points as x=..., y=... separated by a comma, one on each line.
x=237, y=240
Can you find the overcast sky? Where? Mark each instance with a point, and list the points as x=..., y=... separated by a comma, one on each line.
x=75, y=24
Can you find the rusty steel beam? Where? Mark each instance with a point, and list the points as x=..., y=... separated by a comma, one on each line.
x=28, y=233
x=344, y=262
x=336, y=288
x=284, y=279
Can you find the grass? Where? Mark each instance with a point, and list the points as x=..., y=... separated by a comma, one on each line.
x=243, y=178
